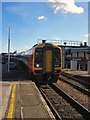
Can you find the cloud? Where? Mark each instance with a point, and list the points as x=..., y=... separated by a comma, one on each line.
x=87, y=38
x=66, y=6
x=56, y=38
x=87, y=35
x=41, y=18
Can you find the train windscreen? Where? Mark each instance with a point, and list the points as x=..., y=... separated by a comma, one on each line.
x=57, y=58
x=38, y=58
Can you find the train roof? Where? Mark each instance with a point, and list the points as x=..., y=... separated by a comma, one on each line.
x=48, y=44
x=30, y=51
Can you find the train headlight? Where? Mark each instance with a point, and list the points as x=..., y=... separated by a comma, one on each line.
x=37, y=65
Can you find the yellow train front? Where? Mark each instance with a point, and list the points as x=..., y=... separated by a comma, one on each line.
x=47, y=63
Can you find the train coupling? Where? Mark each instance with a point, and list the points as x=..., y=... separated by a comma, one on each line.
x=48, y=76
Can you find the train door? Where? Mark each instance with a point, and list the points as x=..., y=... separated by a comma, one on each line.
x=48, y=61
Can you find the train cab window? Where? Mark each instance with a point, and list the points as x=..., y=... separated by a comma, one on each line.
x=38, y=57
x=57, y=58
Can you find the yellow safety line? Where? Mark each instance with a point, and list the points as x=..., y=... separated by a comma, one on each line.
x=11, y=106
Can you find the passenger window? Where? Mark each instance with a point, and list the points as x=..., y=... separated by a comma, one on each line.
x=38, y=57
x=57, y=58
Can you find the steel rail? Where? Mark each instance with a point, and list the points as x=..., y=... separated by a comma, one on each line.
x=85, y=91
x=86, y=84
x=80, y=108
x=54, y=111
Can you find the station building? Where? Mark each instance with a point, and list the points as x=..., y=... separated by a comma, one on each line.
x=79, y=54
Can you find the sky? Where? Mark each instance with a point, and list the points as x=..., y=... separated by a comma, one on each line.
x=54, y=20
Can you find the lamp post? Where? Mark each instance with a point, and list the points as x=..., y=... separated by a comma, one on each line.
x=9, y=49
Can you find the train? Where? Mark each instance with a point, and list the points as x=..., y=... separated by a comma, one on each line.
x=44, y=62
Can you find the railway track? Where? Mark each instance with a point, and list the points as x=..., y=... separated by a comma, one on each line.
x=62, y=105
x=86, y=84
x=75, y=84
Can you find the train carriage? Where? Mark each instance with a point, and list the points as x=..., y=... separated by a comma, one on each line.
x=44, y=62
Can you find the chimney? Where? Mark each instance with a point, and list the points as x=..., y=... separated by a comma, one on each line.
x=43, y=41
x=85, y=44
x=81, y=44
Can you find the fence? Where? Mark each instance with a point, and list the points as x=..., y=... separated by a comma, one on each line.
x=62, y=42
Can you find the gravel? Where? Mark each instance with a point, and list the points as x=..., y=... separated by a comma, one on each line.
x=77, y=95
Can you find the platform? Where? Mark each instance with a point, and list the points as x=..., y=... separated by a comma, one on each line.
x=78, y=74
x=29, y=103
x=5, y=91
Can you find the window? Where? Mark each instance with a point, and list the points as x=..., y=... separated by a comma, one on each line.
x=38, y=58
x=57, y=58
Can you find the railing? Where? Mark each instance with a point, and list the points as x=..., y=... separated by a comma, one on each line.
x=62, y=42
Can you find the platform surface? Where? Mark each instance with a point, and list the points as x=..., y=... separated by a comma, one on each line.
x=5, y=91
x=78, y=73
x=29, y=103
